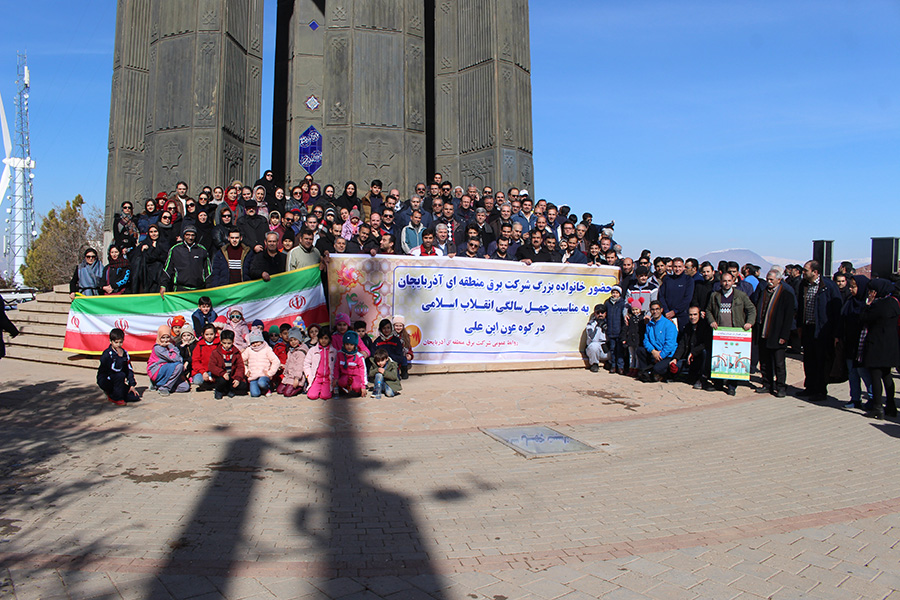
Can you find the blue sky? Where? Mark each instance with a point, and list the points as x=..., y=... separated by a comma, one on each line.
x=697, y=125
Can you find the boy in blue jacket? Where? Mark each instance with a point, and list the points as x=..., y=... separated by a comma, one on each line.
x=115, y=375
x=660, y=343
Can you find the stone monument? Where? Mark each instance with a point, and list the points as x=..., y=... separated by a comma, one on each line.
x=186, y=97
x=364, y=89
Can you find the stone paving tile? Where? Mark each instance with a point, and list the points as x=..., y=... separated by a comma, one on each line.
x=692, y=495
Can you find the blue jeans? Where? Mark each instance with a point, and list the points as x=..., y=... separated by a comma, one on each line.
x=169, y=375
x=618, y=352
x=855, y=374
x=198, y=379
x=258, y=387
x=381, y=386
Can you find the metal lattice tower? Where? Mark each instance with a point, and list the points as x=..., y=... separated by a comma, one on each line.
x=20, y=230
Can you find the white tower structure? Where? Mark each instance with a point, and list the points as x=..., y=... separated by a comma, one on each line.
x=19, y=230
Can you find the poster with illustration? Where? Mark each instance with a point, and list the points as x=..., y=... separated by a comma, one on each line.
x=731, y=353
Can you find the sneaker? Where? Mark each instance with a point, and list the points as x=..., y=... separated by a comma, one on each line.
x=217, y=395
x=163, y=391
x=780, y=394
x=730, y=391
x=268, y=393
x=698, y=385
x=763, y=390
x=231, y=394
x=377, y=396
x=595, y=368
x=116, y=402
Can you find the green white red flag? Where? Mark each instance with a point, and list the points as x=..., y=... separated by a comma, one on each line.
x=280, y=300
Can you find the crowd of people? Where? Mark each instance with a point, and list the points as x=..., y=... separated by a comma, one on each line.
x=244, y=233
x=657, y=324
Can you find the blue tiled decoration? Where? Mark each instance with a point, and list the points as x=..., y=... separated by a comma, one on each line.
x=311, y=150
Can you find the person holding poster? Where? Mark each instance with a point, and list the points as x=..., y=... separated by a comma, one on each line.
x=730, y=307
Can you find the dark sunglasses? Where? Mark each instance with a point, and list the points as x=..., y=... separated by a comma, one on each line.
x=90, y=256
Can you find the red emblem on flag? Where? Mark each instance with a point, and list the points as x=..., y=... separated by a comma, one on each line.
x=122, y=324
x=297, y=302
x=75, y=322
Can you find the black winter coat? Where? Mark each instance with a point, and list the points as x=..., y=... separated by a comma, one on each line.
x=882, y=347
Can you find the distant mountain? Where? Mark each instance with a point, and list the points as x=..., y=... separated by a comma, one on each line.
x=741, y=256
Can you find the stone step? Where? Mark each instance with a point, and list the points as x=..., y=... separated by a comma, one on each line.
x=36, y=341
x=44, y=307
x=42, y=329
x=18, y=317
x=55, y=357
x=54, y=297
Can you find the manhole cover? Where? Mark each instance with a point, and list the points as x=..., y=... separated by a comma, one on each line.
x=535, y=441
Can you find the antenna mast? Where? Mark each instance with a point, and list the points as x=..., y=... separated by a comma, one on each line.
x=20, y=230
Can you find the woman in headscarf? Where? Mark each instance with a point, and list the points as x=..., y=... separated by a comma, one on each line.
x=168, y=233
x=172, y=207
x=88, y=276
x=164, y=366
x=849, y=328
x=117, y=275
x=879, y=346
x=262, y=206
x=315, y=195
x=125, y=231
x=348, y=199
x=267, y=181
x=147, y=218
x=278, y=203
x=150, y=259
x=204, y=226
x=328, y=193
x=232, y=202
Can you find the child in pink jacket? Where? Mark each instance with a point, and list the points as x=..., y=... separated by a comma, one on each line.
x=260, y=364
x=319, y=368
x=293, y=380
x=350, y=367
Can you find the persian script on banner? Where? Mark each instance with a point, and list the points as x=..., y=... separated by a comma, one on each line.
x=731, y=353
x=281, y=300
x=464, y=310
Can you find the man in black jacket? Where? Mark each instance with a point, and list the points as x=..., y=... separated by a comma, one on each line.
x=703, y=288
x=774, y=322
x=270, y=261
x=187, y=266
x=533, y=252
x=694, y=347
x=819, y=308
x=253, y=227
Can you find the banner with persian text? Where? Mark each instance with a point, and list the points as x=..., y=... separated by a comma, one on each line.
x=463, y=310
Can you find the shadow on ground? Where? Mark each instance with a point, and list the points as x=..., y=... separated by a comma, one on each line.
x=367, y=533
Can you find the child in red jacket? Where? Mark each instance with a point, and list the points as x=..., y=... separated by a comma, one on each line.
x=350, y=367
x=200, y=359
x=227, y=368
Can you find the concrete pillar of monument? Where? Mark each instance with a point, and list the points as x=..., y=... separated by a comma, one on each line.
x=482, y=93
x=128, y=108
x=202, y=123
x=350, y=92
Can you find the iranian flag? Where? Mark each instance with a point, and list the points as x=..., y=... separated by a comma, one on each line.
x=280, y=300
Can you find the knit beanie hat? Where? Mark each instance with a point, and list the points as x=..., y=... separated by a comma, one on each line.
x=258, y=323
x=295, y=333
x=256, y=336
x=351, y=338
x=274, y=330
x=342, y=318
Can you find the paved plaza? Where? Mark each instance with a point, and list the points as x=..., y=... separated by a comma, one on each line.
x=690, y=494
